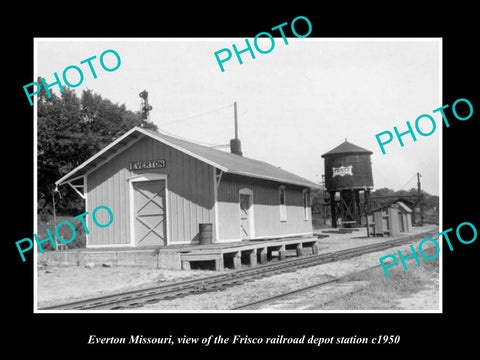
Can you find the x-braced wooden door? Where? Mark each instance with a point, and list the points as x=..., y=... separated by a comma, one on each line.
x=150, y=213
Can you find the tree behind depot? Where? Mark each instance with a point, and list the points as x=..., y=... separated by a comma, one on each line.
x=70, y=130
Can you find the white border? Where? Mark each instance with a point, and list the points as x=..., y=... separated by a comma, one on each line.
x=35, y=179
x=440, y=178
x=332, y=39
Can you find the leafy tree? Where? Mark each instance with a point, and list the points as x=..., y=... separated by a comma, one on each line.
x=70, y=130
x=429, y=201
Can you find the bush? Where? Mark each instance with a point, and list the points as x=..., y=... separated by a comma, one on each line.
x=45, y=221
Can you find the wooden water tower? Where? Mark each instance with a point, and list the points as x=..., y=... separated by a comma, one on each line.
x=348, y=175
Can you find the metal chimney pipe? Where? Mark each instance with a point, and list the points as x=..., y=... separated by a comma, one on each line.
x=235, y=144
x=236, y=119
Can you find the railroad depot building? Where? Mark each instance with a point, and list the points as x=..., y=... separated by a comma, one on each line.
x=162, y=190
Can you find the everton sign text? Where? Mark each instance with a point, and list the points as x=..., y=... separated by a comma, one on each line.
x=147, y=164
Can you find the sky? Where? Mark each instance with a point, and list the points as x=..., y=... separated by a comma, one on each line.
x=294, y=104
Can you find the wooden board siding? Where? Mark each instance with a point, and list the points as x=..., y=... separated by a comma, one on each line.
x=266, y=210
x=189, y=193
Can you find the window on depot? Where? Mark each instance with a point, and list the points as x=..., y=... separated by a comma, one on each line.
x=306, y=204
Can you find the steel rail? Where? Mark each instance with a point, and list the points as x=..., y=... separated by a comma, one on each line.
x=140, y=297
x=296, y=291
x=286, y=294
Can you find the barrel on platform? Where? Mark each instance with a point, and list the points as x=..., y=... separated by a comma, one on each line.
x=206, y=234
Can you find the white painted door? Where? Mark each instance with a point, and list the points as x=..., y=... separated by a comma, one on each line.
x=150, y=213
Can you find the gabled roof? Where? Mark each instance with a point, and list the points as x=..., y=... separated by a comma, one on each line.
x=404, y=207
x=347, y=148
x=222, y=160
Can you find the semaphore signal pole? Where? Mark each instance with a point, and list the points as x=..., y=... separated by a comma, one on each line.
x=145, y=106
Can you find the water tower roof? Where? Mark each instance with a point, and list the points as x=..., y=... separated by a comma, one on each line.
x=347, y=148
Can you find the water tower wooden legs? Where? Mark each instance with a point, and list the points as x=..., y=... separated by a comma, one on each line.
x=349, y=207
x=333, y=209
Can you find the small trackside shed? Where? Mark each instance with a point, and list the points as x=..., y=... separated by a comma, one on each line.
x=161, y=188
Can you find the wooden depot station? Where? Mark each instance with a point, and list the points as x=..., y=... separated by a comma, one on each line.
x=176, y=203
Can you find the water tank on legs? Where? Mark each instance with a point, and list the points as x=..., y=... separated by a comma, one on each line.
x=348, y=166
x=348, y=172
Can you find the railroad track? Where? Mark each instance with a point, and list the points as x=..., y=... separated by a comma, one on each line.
x=138, y=298
x=275, y=298
x=255, y=304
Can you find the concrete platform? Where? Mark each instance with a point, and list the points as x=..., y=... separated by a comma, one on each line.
x=179, y=256
x=221, y=255
x=164, y=259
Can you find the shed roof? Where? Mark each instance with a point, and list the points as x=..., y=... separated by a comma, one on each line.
x=222, y=160
x=347, y=148
x=404, y=207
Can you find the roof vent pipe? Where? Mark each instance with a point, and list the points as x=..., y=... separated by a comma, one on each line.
x=235, y=144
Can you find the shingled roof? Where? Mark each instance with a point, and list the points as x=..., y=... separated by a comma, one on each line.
x=347, y=148
x=222, y=160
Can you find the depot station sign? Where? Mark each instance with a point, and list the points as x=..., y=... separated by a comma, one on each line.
x=147, y=164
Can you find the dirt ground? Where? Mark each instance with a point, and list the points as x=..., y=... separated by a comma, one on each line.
x=56, y=285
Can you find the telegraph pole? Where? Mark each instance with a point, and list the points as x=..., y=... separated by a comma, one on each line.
x=419, y=198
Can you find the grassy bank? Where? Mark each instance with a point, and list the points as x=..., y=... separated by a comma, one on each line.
x=382, y=293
